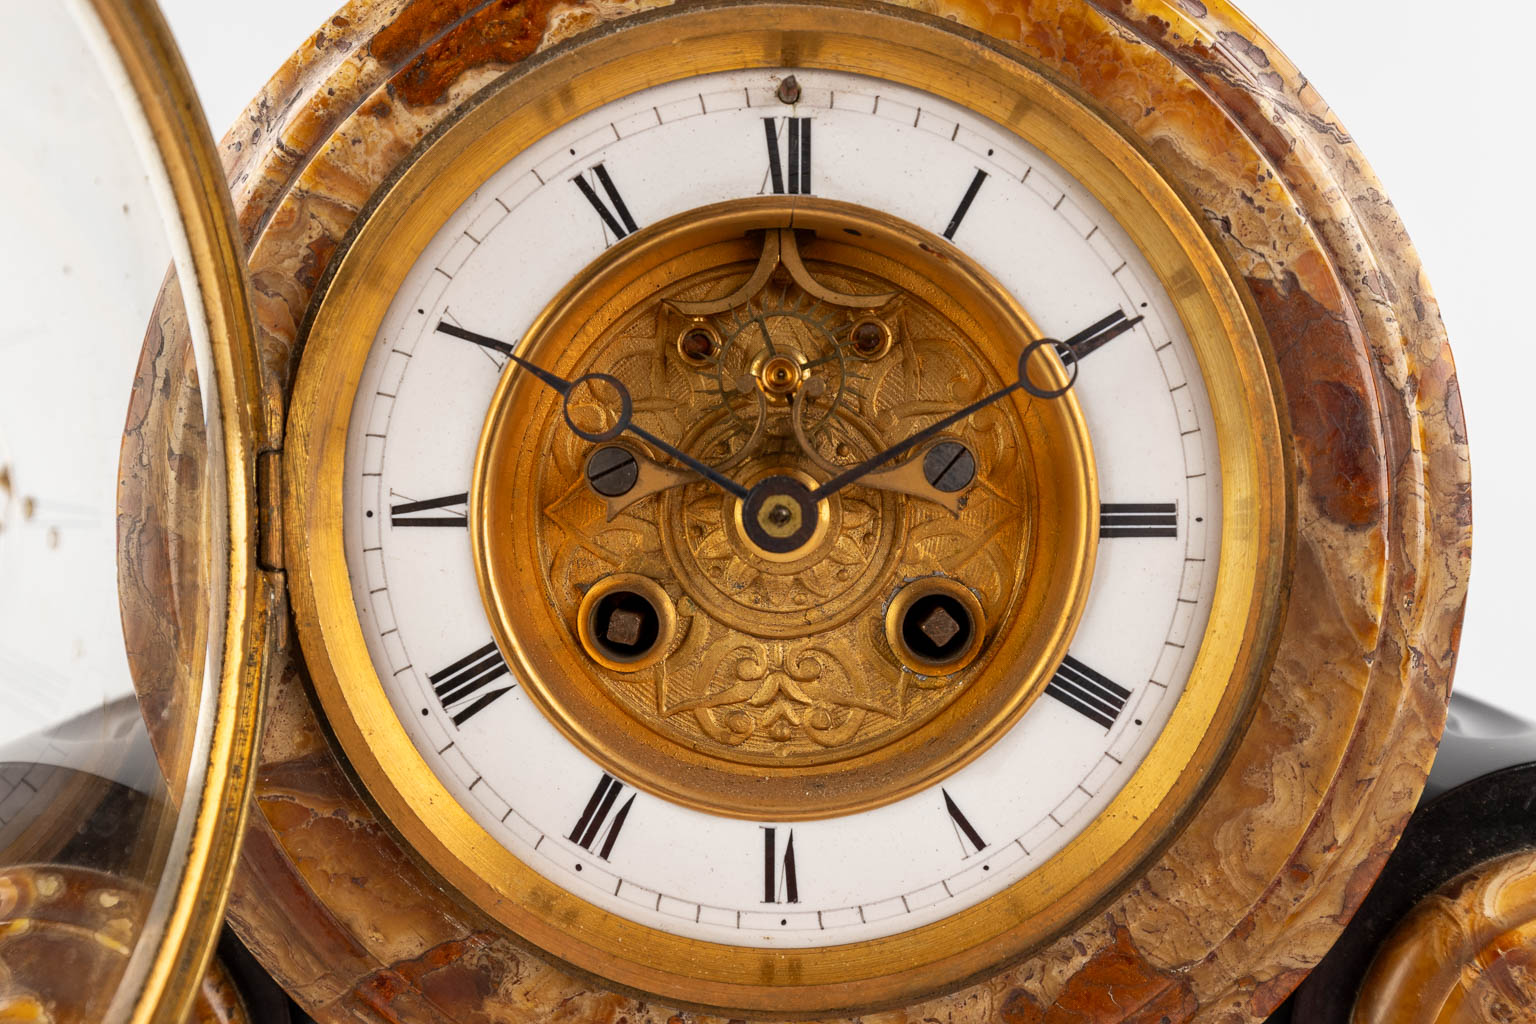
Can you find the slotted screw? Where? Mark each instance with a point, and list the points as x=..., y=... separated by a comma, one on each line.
x=612, y=471
x=949, y=466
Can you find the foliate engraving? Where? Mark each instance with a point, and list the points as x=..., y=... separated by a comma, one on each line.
x=781, y=659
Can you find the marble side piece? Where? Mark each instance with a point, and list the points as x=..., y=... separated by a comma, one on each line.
x=66, y=934
x=1465, y=955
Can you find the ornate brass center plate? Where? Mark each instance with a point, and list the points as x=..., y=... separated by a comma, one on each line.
x=777, y=655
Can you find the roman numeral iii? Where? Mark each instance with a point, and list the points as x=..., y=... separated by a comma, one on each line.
x=615, y=213
x=590, y=827
x=1091, y=694
x=792, y=174
x=780, y=885
x=461, y=688
x=449, y=510
x=1139, y=520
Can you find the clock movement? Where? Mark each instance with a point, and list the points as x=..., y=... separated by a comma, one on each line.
x=817, y=510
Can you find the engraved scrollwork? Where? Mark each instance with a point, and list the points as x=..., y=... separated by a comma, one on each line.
x=781, y=694
x=783, y=659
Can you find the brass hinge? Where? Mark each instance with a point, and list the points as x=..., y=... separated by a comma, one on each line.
x=269, y=510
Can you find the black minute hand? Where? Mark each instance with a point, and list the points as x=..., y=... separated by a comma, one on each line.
x=895, y=451
x=1070, y=350
x=626, y=424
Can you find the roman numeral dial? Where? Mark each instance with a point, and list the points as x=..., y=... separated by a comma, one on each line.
x=643, y=262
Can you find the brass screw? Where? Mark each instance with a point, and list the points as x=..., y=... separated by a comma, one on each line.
x=780, y=516
x=612, y=471
x=949, y=466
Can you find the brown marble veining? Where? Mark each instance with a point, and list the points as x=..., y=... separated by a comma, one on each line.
x=1252, y=892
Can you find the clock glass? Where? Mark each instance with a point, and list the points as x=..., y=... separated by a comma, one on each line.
x=125, y=739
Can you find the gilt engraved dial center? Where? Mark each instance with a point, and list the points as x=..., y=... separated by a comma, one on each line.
x=779, y=469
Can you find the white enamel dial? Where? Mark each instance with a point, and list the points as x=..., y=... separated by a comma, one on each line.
x=506, y=253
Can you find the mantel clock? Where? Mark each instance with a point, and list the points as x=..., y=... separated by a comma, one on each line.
x=806, y=509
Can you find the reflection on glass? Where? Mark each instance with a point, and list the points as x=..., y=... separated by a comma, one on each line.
x=101, y=584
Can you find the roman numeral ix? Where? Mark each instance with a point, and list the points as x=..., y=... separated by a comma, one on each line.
x=1139, y=520
x=779, y=882
x=461, y=687
x=1094, y=696
x=589, y=827
x=797, y=132
x=617, y=219
x=417, y=513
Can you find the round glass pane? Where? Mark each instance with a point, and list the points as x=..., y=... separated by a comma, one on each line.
x=116, y=708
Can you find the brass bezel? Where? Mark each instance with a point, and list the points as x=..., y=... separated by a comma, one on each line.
x=1256, y=527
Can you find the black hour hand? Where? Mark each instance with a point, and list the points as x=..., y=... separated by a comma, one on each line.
x=623, y=421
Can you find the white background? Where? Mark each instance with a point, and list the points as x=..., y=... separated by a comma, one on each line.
x=1438, y=106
